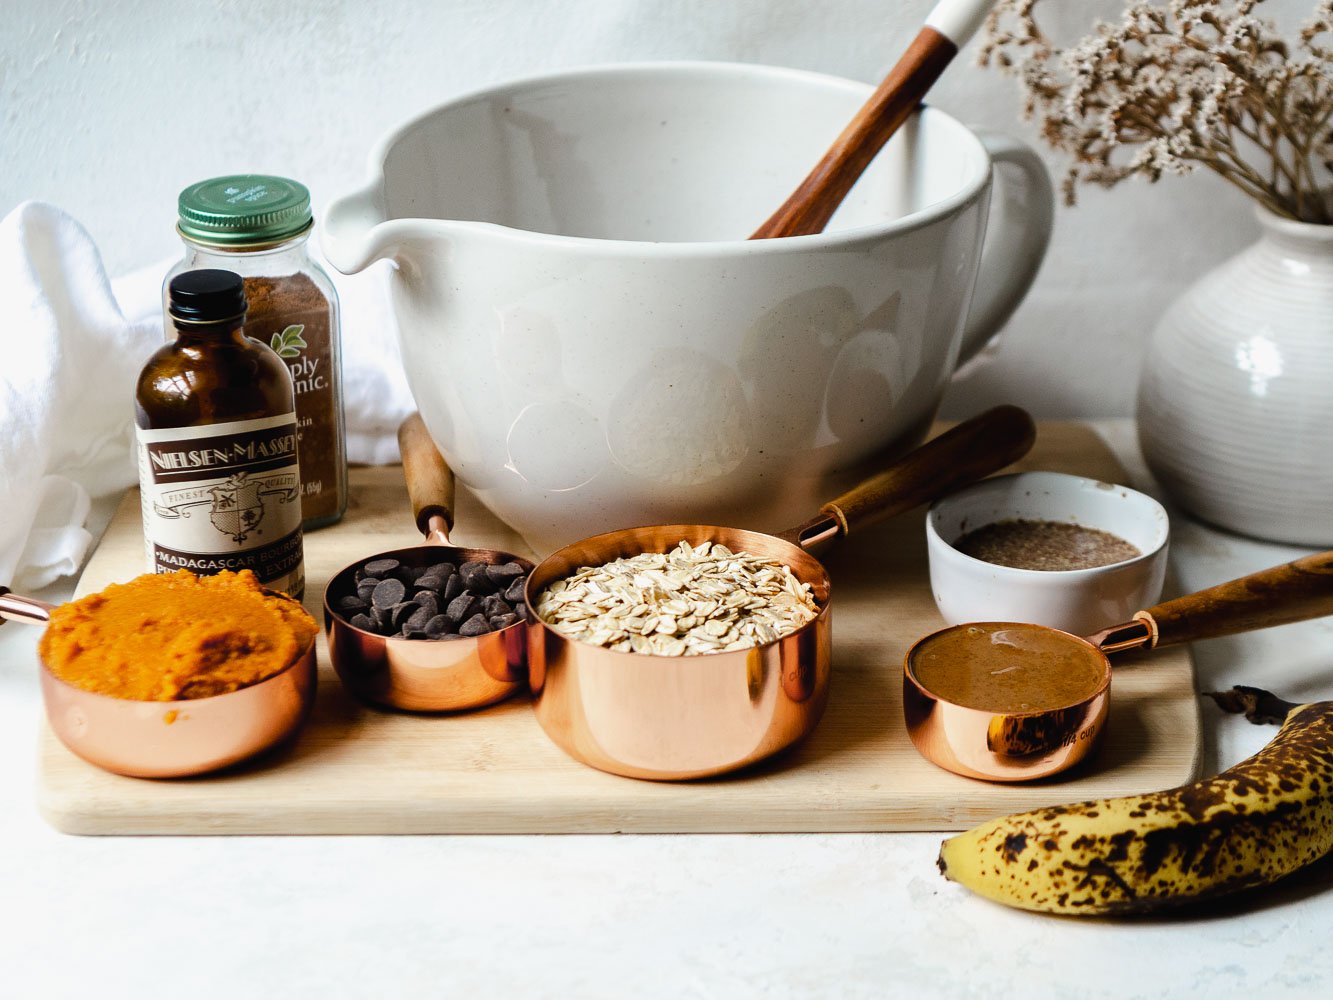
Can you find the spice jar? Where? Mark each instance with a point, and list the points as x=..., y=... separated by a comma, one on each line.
x=258, y=226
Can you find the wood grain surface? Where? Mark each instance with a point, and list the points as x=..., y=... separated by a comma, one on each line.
x=355, y=770
x=1292, y=592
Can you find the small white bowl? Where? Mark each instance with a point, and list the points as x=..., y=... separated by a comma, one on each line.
x=1076, y=600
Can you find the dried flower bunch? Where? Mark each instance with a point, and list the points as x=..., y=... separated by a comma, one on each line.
x=1168, y=89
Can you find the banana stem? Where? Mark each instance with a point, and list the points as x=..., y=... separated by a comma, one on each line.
x=1259, y=706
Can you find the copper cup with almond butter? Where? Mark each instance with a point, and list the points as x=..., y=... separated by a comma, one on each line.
x=1014, y=701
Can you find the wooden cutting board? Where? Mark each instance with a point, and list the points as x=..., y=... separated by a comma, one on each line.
x=358, y=770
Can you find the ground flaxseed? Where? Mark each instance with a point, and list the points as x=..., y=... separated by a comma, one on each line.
x=1045, y=545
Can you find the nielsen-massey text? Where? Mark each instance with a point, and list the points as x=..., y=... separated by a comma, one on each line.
x=236, y=452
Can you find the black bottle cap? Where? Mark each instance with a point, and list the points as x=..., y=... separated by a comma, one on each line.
x=208, y=295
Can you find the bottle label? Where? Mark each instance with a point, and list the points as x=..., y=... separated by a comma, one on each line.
x=224, y=496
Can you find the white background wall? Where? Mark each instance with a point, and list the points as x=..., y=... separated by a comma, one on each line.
x=109, y=107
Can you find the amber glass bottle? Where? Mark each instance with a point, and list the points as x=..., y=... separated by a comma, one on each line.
x=216, y=418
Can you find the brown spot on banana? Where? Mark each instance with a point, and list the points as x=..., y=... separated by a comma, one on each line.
x=1252, y=824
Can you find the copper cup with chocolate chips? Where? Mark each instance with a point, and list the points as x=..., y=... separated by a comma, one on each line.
x=434, y=627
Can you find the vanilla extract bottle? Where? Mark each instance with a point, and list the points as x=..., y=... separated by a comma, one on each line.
x=218, y=466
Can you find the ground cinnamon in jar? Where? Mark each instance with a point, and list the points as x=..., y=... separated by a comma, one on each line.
x=293, y=317
x=258, y=226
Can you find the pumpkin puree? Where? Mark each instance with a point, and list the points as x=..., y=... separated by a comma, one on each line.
x=174, y=636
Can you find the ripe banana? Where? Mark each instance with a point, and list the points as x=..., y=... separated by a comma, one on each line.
x=1250, y=825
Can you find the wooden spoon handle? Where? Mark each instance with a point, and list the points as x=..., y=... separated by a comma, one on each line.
x=1292, y=592
x=962, y=455
x=813, y=203
x=949, y=26
x=430, y=481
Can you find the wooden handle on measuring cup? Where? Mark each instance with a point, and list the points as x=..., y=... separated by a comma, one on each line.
x=1291, y=592
x=430, y=481
x=962, y=455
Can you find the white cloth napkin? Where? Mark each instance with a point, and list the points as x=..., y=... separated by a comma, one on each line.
x=71, y=347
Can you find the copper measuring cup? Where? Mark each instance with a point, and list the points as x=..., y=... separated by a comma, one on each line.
x=678, y=717
x=170, y=739
x=425, y=675
x=1021, y=746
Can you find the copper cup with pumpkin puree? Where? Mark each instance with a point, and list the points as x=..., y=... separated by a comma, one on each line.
x=172, y=675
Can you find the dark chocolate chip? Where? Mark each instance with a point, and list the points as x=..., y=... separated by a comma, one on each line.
x=475, y=578
x=515, y=591
x=521, y=610
x=439, y=626
x=427, y=599
x=408, y=574
x=388, y=593
x=452, y=587
x=461, y=607
x=352, y=605
x=402, y=612
x=414, y=634
x=494, y=605
x=365, y=588
x=417, y=622
x=381, y=617
x=381, y=567
x=363, y=622
x=503, y=574
x=504, y=621
x=429, y=581
x=443, y=570
x=474, y=626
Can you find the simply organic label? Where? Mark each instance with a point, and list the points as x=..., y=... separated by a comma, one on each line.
x=224, y=496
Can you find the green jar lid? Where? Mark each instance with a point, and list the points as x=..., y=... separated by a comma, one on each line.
x=243, y=210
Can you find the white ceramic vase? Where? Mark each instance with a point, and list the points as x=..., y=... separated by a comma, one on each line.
x=1236, y=400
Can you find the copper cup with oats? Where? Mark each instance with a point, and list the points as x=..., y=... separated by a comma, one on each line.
x=629, y=673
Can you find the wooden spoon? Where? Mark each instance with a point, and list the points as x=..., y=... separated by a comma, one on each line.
x=813, y=203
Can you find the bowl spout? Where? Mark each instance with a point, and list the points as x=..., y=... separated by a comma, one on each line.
x=356, y=231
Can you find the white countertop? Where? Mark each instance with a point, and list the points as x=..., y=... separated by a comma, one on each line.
x=846, y=915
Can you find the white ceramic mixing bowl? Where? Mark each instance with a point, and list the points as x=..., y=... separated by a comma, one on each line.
x=594, y=344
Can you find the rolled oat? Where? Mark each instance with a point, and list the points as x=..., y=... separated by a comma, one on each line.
x=686, y=602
